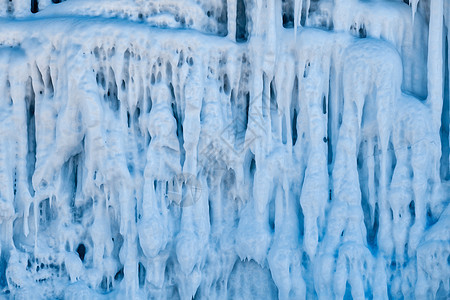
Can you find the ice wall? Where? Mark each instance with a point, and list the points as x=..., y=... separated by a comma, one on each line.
x=233, y=149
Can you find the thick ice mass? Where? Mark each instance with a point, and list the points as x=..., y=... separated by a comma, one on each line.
x=226, y=149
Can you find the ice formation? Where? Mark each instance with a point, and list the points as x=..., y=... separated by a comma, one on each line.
x=227, y=149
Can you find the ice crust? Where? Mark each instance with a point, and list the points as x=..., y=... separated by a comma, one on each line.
x=233, y=149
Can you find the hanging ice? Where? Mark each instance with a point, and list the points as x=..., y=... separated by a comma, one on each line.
x=228, y=149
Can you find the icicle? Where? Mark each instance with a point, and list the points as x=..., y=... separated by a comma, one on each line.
x=18, y=89
x=283, y=255
x=315, y=186
x=191, y=123
x=435, y=59
x=297, y=16
x=231, y=19
x=413, y=4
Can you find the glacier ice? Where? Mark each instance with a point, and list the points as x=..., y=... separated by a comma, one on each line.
x=225, y=149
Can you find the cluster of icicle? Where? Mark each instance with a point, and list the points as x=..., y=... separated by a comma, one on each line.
x=321, y=158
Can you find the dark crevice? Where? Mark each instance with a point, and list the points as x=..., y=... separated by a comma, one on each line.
x=210, y=211
x=294, y=111
x=119, y=275
x=100, y=78
x=226, y=84
x=222, y=19
x=179, y=133
x=9, y=7
x=81, y=250
x=45, y=212
x=74, y=161
x=272, y=209
x=348, y=292
x=273, y=97
x=412, y=211
x=49, y=83
x=264, y=95
x=34, y=6
x=112, y=92
x=148, y=104
x=141, y=274
x=373, y=230
x=172, y=91
x=288, y=11
x=362, y=31
x=153, y=79
x=4, y=257
x=324, y=105
x=233, y=102
x=252, y=167
x=31, y=132
x=294, y=128
x=168, y=71
x=359, y=31
x=431, y=219
x=247, y=108
x=241, y=22
x=329, y=125
x=288, y=20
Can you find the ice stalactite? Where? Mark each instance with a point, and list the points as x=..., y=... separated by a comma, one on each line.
x=314, y=193
x=413, y=4
x=297, y=15
x=231, y=19
x=228, y=159
x=435, y=61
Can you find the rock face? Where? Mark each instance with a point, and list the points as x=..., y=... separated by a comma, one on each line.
x=227, y=149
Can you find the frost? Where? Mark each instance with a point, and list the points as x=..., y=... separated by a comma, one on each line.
x=224, y=149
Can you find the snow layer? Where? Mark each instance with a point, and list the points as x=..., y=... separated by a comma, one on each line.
x=225, y=149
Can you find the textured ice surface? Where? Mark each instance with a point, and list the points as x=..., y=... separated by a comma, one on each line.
x=227, y=149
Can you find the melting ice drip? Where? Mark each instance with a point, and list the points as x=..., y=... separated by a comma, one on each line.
x=271, y=149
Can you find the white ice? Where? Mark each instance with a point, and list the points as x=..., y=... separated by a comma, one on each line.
x=227, y=149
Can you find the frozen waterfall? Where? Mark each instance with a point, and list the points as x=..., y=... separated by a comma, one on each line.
x=224, y=149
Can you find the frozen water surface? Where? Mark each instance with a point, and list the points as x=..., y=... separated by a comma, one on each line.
x=224, y=149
